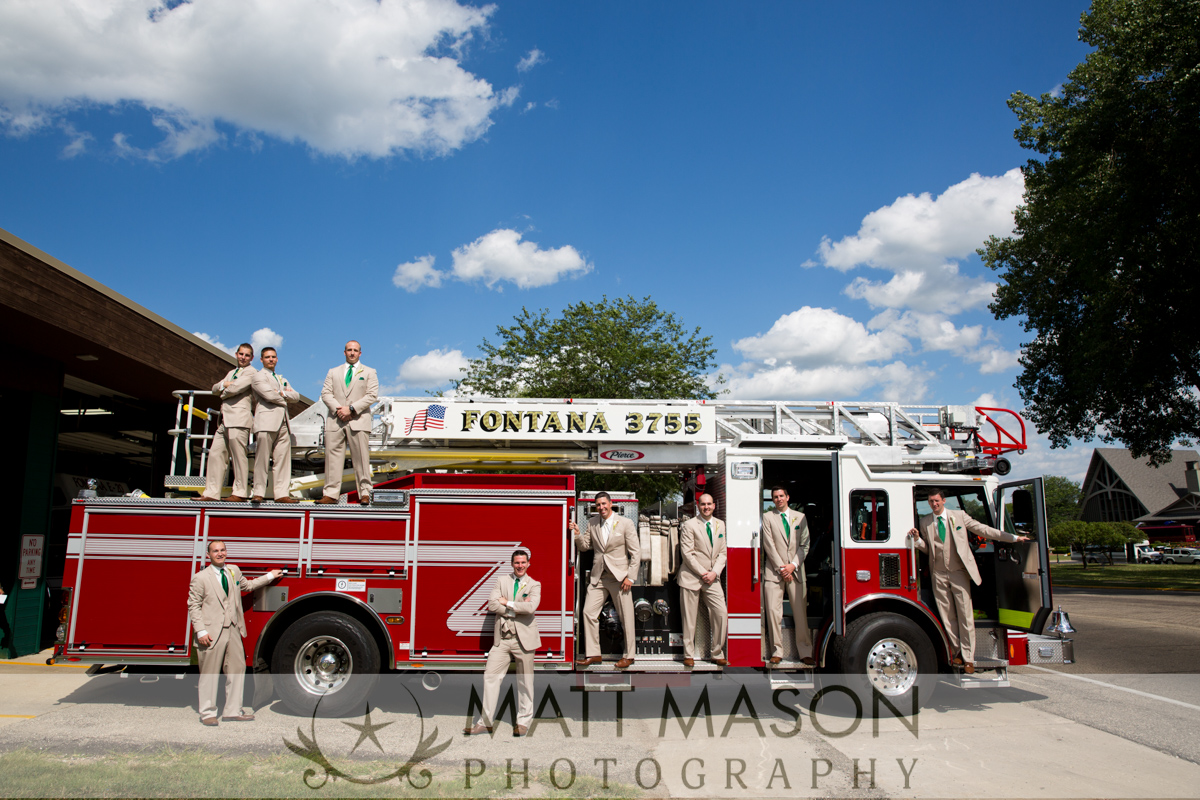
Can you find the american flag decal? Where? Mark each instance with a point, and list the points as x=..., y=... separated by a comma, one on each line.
x=430, y=418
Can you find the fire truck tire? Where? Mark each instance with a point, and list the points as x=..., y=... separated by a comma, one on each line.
x=325, y=661
x=890, y=654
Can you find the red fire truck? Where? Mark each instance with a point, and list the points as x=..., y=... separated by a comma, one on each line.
x=402, y=583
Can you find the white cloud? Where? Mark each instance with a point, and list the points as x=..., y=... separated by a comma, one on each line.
x=919, y=238
x=814, y=336
x=417, y=274
x=936, y=332
x=531, y=60
x=215, y=342
x=430, y=370
x=265, y=337
x=896, y=381
x=502, y=256
x=345, y=77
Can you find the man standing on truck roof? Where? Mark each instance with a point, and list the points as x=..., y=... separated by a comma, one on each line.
x=702, y=550
x=215, y=611
x=349, y=392
x=785, y=544
x=233, y=435
x=943, y=535
x=272, y=433
x=618, y=554
x=514, y=600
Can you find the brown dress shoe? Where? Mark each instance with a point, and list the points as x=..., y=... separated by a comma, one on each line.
x=239, y=718
x=258, y=498
x=587, y=662
x=808, y=661
x=968, y=668
x=286, y=500
x=327, y=501
x=689, y=662
x=475, y=731
x=625, y=663
x=721, y=662
x=520, y=730
x=775, y=660
x=208, y=721
x=233, y=498
x=364, y=499
x=206, y=499
x=956, y=661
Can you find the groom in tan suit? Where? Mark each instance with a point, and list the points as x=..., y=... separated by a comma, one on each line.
x=349, y=392
x=785, y=544
x=618, y=554
x=943, y=535
x=233, y=435
x=702, y=548
x=272, y=433
x=215, y=611
x=514, y=601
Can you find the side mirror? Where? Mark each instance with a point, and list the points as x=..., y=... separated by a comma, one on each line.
x=1022, y=501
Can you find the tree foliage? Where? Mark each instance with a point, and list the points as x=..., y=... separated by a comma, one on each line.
x=1080, y=535
x=1104, y=265
x=1062, y=499
x=610, y=349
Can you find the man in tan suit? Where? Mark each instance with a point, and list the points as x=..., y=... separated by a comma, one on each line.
x=233, y=434
x=952, y=564
x=702, y=548
x=618, y=554
x=349, y=392
x=272, y=433
x=215, y=611
x=514, y=601
x=785, y=544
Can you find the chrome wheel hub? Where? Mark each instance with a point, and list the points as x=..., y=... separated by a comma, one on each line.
x=323, y=665
x=892, y=667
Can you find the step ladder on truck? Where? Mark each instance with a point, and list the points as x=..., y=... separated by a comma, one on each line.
x=402, y=583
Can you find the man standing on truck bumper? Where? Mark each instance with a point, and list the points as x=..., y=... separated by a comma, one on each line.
x=943, y=535
x=514, y=601
x=785, y=544
x=272, y=433
x=349, y=392
x=618, y=554
x=702, y=549
x=215, y=611
x=233, y=436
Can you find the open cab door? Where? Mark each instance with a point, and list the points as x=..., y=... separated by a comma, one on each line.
x=1023, y=569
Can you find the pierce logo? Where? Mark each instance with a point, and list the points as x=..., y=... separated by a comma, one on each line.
x=621, y=455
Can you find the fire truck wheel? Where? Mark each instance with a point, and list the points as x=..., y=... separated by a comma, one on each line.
x=890, y=654
x=325, y=661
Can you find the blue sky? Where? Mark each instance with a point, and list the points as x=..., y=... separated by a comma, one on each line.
x=805, y=181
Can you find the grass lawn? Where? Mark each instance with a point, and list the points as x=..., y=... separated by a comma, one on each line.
x=1130, y=576
x=195, y=773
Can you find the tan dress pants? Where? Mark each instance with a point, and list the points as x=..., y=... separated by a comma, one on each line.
x=797, y=594
x=276, y=446
x=336, y=442
x=952, y=592
x=228, y=442
x=591, y=613
x=503, y=652
x=718, y=617
x=225, y=651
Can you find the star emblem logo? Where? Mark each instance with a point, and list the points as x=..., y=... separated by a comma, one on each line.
x=366, y=730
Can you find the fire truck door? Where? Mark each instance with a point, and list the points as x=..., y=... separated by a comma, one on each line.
x=1023, y=569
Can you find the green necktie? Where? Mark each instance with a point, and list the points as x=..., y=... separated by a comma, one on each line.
x=224, y=581
x=235, y=372
x=516, y=585
x=787, y=528
x=349, y=375
x=276, y=377
x=941, y=530
x=708, y=527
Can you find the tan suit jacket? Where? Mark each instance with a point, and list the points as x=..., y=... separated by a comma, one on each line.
x=359, y=397
x=698, y=555
x=522, y=615
x=960, y=524
x=779, y=549
x=273, y=396
x=621, y=555
x=210, y=609
x=237, y=401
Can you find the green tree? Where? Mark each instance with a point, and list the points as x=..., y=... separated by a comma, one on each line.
x=1062, y=499
x=1104, y=264
x=608, y=349
x=1080, y=535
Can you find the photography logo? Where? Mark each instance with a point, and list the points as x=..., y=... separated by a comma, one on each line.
x=341, y=763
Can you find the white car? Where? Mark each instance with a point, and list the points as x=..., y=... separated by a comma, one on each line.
x=1181, y=555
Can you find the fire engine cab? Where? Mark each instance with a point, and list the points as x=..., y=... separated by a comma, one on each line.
x=459, y=484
